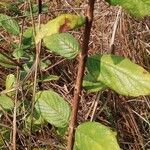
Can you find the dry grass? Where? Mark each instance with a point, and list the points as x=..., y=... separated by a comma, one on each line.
x=130, y=117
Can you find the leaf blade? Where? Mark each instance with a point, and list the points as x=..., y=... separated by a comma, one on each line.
x=63, y=44
x=62, y=23
x=138, y=8
x=120, y=74
x=9, y=24
x=52, y=108
x=95, y=136
x=6, y=102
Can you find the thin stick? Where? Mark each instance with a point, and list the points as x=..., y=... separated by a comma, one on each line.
x=16, y=96
x=104, y=105
x=81, y=68
x=38, y=49
x=15, y=114
x=95, y=105
x=114, y=30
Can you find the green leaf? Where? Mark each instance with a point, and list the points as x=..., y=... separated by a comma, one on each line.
x=10, y=81
x=63, y=44
x=138, y=8
x=61, y=23
x=119, y=74
x=6, y=102
x=5, y=62
x=95, y=136
x=9, y=84
x=91, y=85
x=53, y=108
x=9, y=24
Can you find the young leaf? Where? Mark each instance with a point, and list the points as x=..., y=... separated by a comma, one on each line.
x=119, y=74
x=10, y=80
x=91, y=85
x=63, y=44
x=138, y=8
x=9, y=24
x=6, y=102
x=95, y=136
x=61, y=23
x=53, y=108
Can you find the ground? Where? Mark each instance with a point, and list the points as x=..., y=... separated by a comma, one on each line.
x=128, y=116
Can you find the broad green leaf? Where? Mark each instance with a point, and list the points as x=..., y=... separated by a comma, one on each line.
x=119, y=74
x=6, y=102
x=53, y=108
x=9, y=24
x=63, y=44
x=61, y=23
x=10, y=81
x=138, y=8
x=95, y=136
x=5, y=62
x=91, y=85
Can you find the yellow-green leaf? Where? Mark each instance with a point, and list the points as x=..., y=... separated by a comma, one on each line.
x=138, y=8
x=52, y=108
x=119, y=74
x=63, y=44
x=95, y=136
x=61, y=23
x=6, y=102
x=9, y=24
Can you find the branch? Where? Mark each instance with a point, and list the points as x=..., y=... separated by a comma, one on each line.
x=40, y=6
x=81, y=68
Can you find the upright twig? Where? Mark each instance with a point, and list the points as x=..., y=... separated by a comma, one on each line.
x=40, y=6
x=38, y=49
x=112, y=47
x=81, y=68
x=16, y=96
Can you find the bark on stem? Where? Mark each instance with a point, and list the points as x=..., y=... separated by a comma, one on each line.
x=81, y=68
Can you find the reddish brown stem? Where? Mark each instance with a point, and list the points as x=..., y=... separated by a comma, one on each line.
x=81, y=68
x=40, y=6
